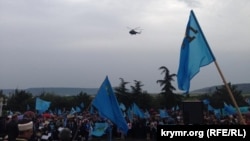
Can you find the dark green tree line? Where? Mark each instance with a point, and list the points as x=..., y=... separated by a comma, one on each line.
x=20, y=99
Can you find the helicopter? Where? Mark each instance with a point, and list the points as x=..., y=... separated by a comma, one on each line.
x=134, y=31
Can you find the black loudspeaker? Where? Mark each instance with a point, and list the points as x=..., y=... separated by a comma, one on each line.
x=193, y=112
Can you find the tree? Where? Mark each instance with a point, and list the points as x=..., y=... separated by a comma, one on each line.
x=137, y=88
x=170, y=99
x=167, y=87
x=136, y=91
x=19, y=100
x=83, y=98
x=146, y=101
x=221, y=95
x=5, y=102
x=122, y=93
x=136, y=95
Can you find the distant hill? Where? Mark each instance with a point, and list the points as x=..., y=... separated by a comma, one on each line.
x=244, y=87
x=63, y=91
x=56, y=90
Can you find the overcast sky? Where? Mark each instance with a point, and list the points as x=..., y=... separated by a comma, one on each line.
x=77, y=43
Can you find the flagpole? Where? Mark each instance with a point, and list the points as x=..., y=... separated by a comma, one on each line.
x=230, y=93
x=89, y=105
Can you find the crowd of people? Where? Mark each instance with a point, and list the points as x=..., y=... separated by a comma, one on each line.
x=79, y=126
x=25, y=130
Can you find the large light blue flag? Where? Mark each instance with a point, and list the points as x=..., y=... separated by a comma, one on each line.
x=195, y=53
x=107, y=105
x=42, y=105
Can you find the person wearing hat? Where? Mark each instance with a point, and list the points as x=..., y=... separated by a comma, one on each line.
x=25, y=130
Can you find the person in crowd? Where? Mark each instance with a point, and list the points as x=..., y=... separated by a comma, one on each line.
x=25, y=128
x=85, y=129
x=12, y=128
x=72, y=125
x=65, y=134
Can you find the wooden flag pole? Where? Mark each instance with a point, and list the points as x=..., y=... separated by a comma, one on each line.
x=230, y=94
x=90, y=105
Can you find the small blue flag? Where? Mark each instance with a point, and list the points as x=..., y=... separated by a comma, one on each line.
x=82, y=105
x=130, y=114
x=210, y=108
x=42, y=105
x=177, y=107
x=107, y=105
x=206, y=101
x=78, y=109
x=146, y=114
x=163, y=113
x=229, y=109
x=91, y=110
x=122, y=107
x=137, y=111
x=195, y=53
x=217, y=113
x=99, y=129
x=59, y=112
x=72, y=111
x=244, y=109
